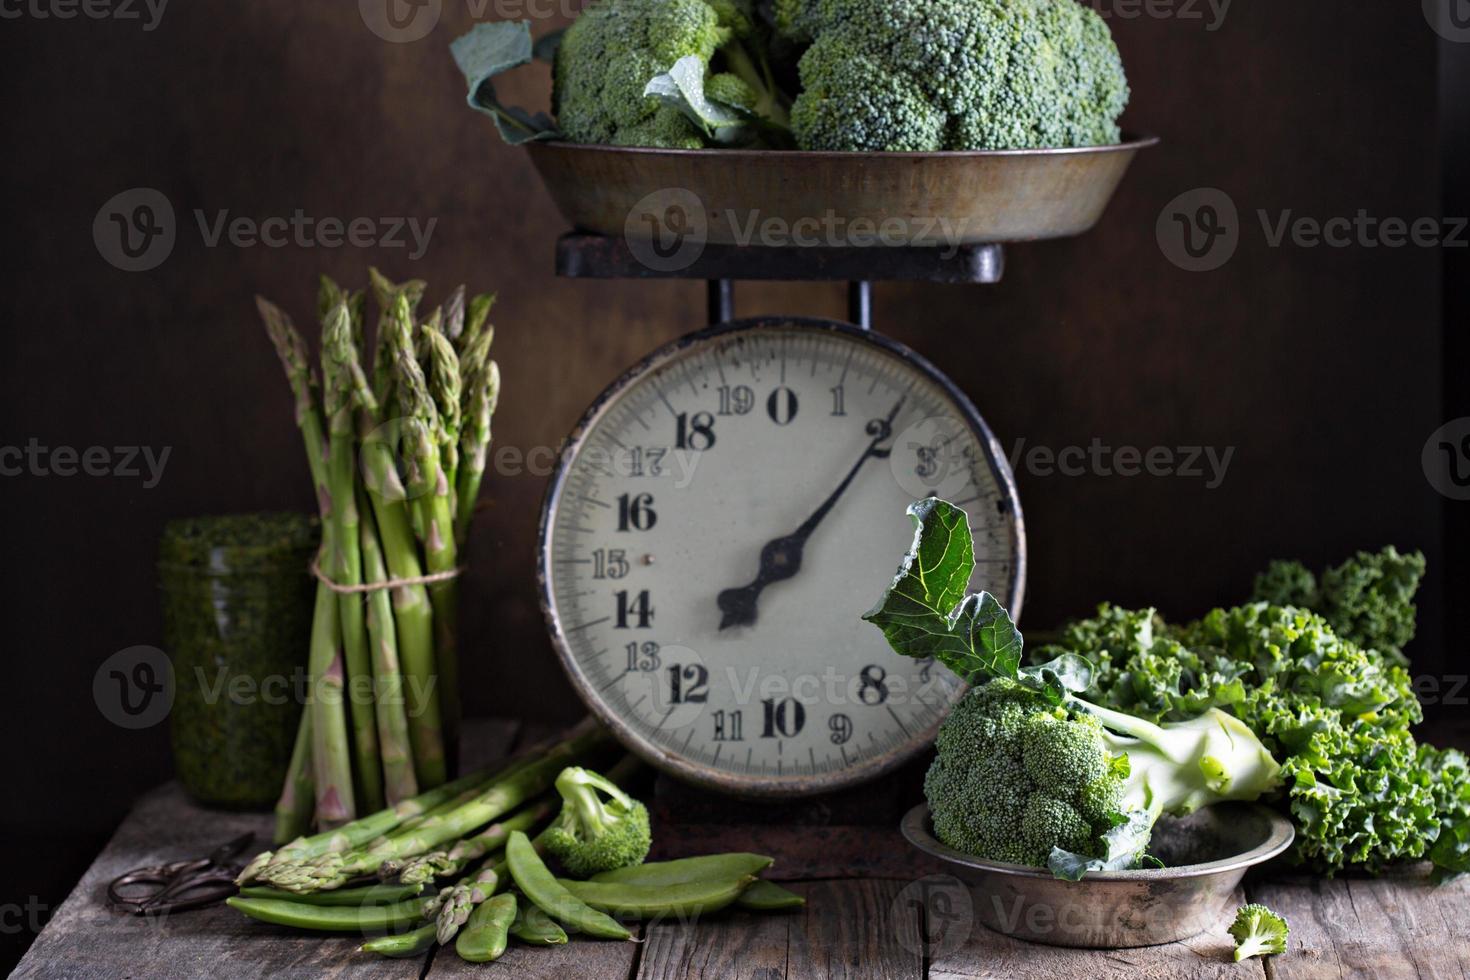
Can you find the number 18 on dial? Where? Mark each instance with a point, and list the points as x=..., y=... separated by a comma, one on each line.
x=723, y=517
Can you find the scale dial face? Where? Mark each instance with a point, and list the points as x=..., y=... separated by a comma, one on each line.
x=723, y=517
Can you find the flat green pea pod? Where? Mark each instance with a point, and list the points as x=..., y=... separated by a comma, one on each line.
x=485, y=935
x=402, y=945
x=367, y=895
x=690, y=899
x=764, y=896
x=329, y=918
x=535, y=928
x=539, y=885
x=710, y=867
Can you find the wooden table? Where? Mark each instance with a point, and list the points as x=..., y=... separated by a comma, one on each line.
x=865, y=917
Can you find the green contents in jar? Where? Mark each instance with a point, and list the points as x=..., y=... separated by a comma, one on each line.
x=237, y=601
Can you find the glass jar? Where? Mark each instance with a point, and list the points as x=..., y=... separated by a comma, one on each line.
x=237, y=607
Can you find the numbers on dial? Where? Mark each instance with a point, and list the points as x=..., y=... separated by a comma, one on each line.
x=669, y=496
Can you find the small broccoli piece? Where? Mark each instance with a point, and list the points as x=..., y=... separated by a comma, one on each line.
x=593, y=834
x=1258, y=931
x=1021, y=780
x=614, y=50
x=928, y=75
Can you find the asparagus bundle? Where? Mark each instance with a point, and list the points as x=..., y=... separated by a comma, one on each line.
x=396, y=461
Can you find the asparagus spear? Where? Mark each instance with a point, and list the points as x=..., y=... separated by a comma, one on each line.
x=411, y=607
x=293, y=810
x=448, y=864
x=454, y=314
x=522, y=782
x=429, y=489
x=331, y=771
x=386, y=294
x=475, y=447
x=346, y=391
x=399, y=778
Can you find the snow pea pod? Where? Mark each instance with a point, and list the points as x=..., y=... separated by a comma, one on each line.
x=484, y=937
x=538, y=884
x=402, y=945
x=535, y=928
x=367, y=895
x=710, y=867
x=327, y=918
x=763, y=896
x=685, y=900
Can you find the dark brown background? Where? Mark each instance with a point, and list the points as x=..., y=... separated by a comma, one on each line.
x=1324, y=368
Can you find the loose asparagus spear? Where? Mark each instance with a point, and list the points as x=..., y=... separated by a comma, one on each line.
x=293, y=809
x=523, y=782
x=345, y=392
x=399, y=778
x=447, y=864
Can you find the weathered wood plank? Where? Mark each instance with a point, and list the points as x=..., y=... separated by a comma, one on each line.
x=87, y=940
x=854, y=929
x=806, y=853
x=734, y=945
x=963, y=949
x=1398, y=925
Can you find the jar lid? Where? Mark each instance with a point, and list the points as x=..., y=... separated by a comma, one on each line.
x=239, y=542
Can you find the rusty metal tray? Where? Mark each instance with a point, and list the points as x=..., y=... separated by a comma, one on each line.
x=835, y=200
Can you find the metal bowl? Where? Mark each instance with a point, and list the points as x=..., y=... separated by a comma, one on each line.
x=763, y=197
x=1207, y=852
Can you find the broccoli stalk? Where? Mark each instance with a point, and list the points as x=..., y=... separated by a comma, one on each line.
x=600, y=828
x=1258, y=931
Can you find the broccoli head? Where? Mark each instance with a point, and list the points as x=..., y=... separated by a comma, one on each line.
x=615, y=48
x=600, y=828
x=1258, y=931
x=1077, y=787
x=928, y=75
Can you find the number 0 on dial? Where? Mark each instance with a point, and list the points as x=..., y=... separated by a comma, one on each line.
x=723, y=517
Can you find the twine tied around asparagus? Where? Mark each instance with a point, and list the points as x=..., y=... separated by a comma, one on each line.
x=390, y=583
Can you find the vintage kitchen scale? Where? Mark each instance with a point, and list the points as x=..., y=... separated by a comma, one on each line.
x=729, y=507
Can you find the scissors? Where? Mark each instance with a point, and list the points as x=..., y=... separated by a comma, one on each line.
x=181, y=885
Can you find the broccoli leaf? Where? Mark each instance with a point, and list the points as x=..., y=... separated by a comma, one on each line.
x=682, y=87
x=488, y=50
x=1124, y=848
x=925, y=612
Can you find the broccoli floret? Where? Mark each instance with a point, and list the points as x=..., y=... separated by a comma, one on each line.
x=928, y=75
x=616, y=47
x=1021, y=780
x=593, y=834
x=1258, y=931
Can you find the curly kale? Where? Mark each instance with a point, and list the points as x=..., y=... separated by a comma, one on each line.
x=928, y=75
x=1368, y=599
